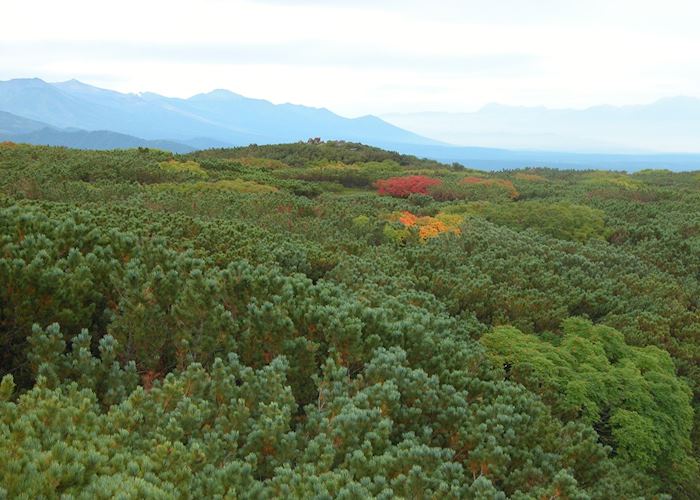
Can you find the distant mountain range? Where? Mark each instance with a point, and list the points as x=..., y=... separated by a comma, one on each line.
x=77, y=115
x=218, y=118
x=668, y=125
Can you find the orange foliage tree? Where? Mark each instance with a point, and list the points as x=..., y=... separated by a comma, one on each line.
x=428, y=227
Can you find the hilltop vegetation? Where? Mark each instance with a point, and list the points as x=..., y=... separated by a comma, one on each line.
x=333, y=320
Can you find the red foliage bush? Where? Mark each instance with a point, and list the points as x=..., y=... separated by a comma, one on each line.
x=403, y=187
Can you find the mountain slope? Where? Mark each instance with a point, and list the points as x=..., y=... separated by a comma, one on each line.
x=23, y=130
x=13, y=124
x=219, y=115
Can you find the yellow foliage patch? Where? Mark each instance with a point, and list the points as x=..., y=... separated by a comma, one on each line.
x=497, y=183
x=266, y=163
x=599, y=178
x=191, y=167
x=453, y=220
x=233, y=185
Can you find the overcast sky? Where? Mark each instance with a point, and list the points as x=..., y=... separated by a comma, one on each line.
x=364, y=56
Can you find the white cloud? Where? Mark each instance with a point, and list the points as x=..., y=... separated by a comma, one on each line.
x=365, y=56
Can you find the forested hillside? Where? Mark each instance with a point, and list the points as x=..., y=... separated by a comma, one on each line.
x=322, y=320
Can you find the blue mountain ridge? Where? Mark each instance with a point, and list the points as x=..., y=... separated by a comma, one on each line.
x=222, y=116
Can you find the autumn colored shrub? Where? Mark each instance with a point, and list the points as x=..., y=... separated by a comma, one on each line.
x=428, y=227
x=403, y=187
x=454, y=220
x=265, y=163
x=336, y=172
x=230, y=185
x=189, y=167
x=408, y=219
x=502, y=184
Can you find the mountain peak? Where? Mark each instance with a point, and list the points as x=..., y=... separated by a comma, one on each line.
x=218, y=94
x=73, y=83
x=25, y=82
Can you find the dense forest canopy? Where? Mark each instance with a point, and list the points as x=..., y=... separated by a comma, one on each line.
x=327, y=319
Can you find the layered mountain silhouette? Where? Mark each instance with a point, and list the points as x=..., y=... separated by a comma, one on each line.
x=78, y=115
x=218, y=118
